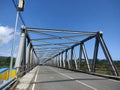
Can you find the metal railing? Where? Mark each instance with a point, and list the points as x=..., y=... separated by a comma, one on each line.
x=8, y=83
x=24, y=69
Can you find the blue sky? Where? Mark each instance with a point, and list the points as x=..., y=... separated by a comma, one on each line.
x=82, y=15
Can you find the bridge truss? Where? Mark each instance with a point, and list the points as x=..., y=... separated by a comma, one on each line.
x=57, y=48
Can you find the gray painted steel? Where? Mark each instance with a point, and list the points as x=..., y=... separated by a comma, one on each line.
x=20, y=54
x=30, y=55
x=86, y=57
x=75, y=59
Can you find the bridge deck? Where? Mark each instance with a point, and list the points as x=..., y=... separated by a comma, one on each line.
x=50, y=78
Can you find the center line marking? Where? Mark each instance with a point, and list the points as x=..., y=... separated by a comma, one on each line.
x=73, y=78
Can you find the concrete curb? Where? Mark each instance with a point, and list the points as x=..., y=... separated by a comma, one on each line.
x=26, y=80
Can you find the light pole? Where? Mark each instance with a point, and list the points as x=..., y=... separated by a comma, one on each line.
x=19, y=8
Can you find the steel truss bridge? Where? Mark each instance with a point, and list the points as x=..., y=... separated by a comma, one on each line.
x=56, y=47
x=64, y=49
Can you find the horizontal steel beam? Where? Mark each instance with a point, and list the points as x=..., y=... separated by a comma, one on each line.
x=62, y=37
x=55, y=44
x=60, y=31
x=82, y=41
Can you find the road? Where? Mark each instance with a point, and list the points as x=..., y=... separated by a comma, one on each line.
x=51, y=78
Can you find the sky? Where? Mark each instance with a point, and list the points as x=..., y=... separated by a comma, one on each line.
x=81, y=15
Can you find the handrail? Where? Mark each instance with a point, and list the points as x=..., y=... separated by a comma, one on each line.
x=7, y=84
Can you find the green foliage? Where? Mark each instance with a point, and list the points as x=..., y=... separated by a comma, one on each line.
x=102, y=66
x=5, y=62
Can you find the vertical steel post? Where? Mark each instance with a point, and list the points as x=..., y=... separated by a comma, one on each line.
x=66, y=59
x=35, y=59
x=57, y=61
x=69, y=66
x=75, y=59
x=24, y=58
x=107, y=54
x=28, y=55
x=54, y=61
x=60, y=60
x=20, y=55
x=63, y=54
x=31, y=58
x=72, y=58
x=86, y=57
x=80, y=56
x=95, y=55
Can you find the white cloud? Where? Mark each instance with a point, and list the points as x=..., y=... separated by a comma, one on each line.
x=6, y=34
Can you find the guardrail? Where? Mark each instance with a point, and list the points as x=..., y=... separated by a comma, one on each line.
x=7, y=84
x=102, y=68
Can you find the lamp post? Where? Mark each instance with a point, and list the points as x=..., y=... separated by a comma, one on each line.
x=19, y=9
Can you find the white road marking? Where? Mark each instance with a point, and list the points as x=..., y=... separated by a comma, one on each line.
x=33, y=87
x=73, y=78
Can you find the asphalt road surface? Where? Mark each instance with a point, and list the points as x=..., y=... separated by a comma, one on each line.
x=50, y=78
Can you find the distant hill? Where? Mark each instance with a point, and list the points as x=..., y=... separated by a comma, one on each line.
x=5, y=61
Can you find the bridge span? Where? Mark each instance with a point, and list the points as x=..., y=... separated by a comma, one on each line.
x=66, y=49
x=52, y=78
x=55, y=59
